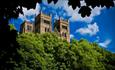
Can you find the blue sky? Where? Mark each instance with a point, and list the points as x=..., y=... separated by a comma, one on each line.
x=99, y=27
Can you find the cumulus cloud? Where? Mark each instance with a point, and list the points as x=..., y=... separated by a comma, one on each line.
x=91, y=29
x=74, y=13
x=29, y=14
x=63, y=4
x=71, y=36
x=105, y=43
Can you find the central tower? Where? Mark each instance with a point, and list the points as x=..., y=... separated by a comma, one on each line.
x=43, y=23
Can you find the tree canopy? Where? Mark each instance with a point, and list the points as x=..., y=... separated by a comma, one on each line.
x=50, y=52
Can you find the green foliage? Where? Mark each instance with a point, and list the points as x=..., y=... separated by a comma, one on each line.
x=31, y=51
x=49, y=52
x=12, y=27
x=87, y=56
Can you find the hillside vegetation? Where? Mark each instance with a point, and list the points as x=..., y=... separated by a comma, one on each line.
x=49, y=52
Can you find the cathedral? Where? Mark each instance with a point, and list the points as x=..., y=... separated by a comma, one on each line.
x=43, y=24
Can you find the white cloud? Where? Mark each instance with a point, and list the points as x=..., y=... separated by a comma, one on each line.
x=97, y=39
x=74, y=13
x=91, y=29
x=71, y=36
x=74, y=16
x=105, y=43
x=37, y=9
x=77, y=17
x=28, y=13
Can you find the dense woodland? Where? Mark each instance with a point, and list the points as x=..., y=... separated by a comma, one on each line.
x=49, y=52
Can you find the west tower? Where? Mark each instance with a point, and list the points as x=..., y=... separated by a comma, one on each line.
x=26, y=27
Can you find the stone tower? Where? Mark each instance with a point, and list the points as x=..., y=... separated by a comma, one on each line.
x=43, y=23
x=26, y=27
x=62, y=28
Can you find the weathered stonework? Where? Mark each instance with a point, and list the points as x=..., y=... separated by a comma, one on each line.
x=26, y=27
x=62, y=27
x=43, y=24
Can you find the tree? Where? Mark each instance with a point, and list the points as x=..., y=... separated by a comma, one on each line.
x=91, y=56
x=8, y=43
x=32, y=52
x=87, y=56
